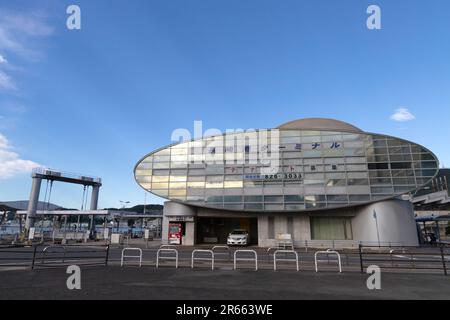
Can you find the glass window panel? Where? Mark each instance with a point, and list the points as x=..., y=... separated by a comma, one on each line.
x=351, y=137
x=357, y=182
x=164, y=152
x=160, y=172
x=401, y=165
x=253, y=198
x=378, y=158
x=315, y=198
x=161, y=158
x=336, y=175
x=356, y=167
x=143, y=172
x=401, y=157
x=423, y=156
x=178, y=172
x=425, y=173
x=358, y=175
x=160, y=179
x=402, y=173
x=400, y=189
x=397, y=142
x=233, y=184
x=177, y=185
x=161, y=165
x=359, y=198
x=295, y=206
x=315, y=205
x=162, y=193
x=378, y=166
x=177, y=193
x=253, y=206
x=425, y=164
x=160, y=185
x=232, y=198
x=336, y=182
x=312, y=153
x=273, y=198
x=214, y=199
x=379, y=181
x=354, y=152
x=146, y=185
x=404, y=181
x=294, y=198
x=384, y=190
x=331, y=228
x=233, y=206
x=196, y=184
x=273, y=206
x=337, y=198
x=214, y=185
x=144, y=178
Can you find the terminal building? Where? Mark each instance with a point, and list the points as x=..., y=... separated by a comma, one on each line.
x=315, y=179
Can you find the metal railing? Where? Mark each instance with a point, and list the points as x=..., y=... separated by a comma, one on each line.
x=327, y=252
x=423, y=259
x=46, y=250
x=245, y=259
x=228, y=252
x=285, y=252
x=39, y=256
x=131, y=256
x=193, y=258
x=159, y=257
x=71, y=175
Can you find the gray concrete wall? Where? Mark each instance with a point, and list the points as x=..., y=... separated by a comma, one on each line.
x=396, y=223
x=175, y=209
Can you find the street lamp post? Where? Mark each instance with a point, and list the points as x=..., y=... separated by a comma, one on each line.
x=124, y=204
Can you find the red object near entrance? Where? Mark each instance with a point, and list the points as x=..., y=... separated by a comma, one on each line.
x=175, y=233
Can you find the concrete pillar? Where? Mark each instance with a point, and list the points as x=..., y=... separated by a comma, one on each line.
x=94, y=197
x=189, y=239
x=93, y=206
x=33, y=203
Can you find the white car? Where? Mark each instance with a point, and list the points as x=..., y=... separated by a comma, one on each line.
x=238, y=237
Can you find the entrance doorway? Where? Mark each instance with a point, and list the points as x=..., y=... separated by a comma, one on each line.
x=216, y=230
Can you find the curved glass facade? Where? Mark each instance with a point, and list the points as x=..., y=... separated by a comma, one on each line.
x=315, y=169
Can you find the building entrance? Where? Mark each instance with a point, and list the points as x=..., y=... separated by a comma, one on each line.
x=216, y=230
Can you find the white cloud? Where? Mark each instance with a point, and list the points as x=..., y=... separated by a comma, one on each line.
x=5, y=82
x=10, y=162
x=21, y=35
x=402, y=114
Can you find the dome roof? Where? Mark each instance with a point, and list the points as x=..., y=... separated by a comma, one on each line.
x=319, y=124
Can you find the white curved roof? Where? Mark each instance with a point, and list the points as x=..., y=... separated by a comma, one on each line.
x=319, y=124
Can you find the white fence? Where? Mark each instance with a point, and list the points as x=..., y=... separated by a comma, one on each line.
x=327, y=252
x=200, y=251
x=159, y=257
x=131, y=256
x=245, y=259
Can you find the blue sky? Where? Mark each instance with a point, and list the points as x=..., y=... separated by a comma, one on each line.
x=96, y=100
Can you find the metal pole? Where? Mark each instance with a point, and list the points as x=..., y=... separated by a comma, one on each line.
x=376, y=223
x=34, y=257
x=443, y=259
x=361, y=258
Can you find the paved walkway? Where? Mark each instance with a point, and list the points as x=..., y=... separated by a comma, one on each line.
x=169, y=283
